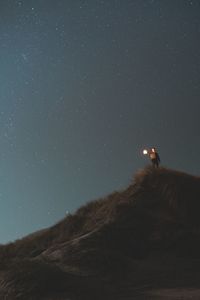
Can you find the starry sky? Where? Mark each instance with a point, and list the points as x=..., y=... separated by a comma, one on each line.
x=85, y=86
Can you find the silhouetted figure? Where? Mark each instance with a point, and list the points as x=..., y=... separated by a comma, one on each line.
x=155, y=159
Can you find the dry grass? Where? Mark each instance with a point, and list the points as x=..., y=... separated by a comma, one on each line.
x=158, y=214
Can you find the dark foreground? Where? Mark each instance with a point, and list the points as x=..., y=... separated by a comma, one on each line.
x=139, y=243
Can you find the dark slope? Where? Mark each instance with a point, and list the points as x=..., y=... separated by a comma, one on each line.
x=140, y=243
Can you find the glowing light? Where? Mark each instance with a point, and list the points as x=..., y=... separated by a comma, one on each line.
x=145, y=152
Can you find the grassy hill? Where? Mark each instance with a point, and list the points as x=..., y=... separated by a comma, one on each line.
x=139, y=243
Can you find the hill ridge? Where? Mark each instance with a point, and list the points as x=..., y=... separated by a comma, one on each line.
x=156, y=218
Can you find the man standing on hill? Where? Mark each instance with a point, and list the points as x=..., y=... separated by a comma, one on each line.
x=154, y=156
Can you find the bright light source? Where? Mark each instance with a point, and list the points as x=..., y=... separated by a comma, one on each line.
x=145, y=152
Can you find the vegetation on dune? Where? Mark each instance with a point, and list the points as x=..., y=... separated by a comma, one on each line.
x=158, y=214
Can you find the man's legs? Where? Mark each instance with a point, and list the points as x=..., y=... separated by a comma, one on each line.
x=155, y=163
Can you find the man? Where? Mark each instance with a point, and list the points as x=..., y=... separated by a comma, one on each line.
x=155, y=159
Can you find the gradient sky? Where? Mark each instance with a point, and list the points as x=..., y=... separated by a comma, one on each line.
x=85, y=85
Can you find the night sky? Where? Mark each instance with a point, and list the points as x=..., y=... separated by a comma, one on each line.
x=85, y=86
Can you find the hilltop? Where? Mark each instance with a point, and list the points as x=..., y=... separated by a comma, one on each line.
x=139, y=243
